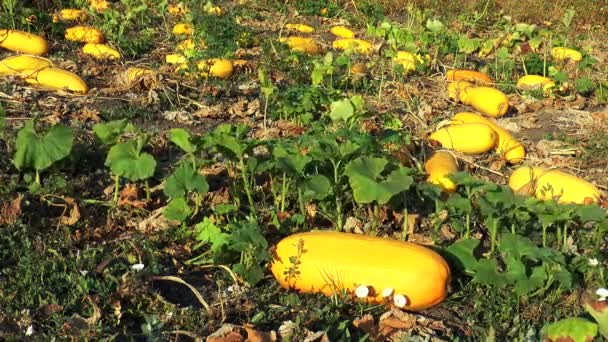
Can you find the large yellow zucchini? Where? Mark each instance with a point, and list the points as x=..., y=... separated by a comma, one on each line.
x=468, y=138
x=301, y=44
x=101, y=51
x=328, y=262
x=563, y=53
x=507, y=146
x=15, y=65
x=359, y=45
x=300, y=28
x=23, y=42
x=469, y=76
x=70, y=14
x=553, y=184
x=84, y=34
x=535, y=82
x=342, y=32
x=439, y=167
x=217, y=67
x=487, y=100
x=58, y=79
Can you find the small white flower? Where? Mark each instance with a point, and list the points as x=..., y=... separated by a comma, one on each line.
x=29, y=331
x=84, y=273
x=362, y=291
x=603, y=293
x=400, y=300
x=593, y=262
x=388, y=292
x=137, y=267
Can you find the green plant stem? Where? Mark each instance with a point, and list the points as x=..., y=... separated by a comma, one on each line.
x=147, y=187
x=37, y=179
x=247, y=186
x=376, y=220
x=545, y=235
x=336, y=192
x=283, y=191
x=406, y=225
x=116, y=186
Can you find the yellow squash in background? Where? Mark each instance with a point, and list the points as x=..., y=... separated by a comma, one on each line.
x=439, y=167
x=23, y=42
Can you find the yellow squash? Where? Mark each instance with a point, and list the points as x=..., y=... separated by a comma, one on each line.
x=301, y=44
x=217, y=67
x=469, y=75
x=84, y=34
x=507, y=146
x=57, y=79
x=468, y=138
x=359, y=45
x=342, y=32
x=489, y=101
x=15, y=65
x=70, y=14
x=454, y=88
x=175, y=59
x=562, y=53
x=101, y=51
x=23, y=42
x=329, y=262
x=439, y=167
x=553, y=184
x=183, y=29
x=300, y=28
x=535, y=82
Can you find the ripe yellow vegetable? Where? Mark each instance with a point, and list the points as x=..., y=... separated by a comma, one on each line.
x=408, y=60
x=439, y=167
x=58, y=79
x=175, y=59
x=23, y=42
x=469, y=76
x=218, y=67
x=468, y=138
x=507, y=146
x=329, y=262
x=359, y=45
x=70, y=14
x=535, y=82
x=342, y=32
x=301, y=44
x=183, y=29
x=489, y=101
x=84, y=34
x=100, y=51
x=562, y=53
x=553, y=184
x=15, y=65
x=300, y=28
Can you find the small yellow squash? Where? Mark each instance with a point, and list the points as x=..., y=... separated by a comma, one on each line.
x=553, y=184
x=359, y=45
x=469, y=76
x=15, y=65
x=489, y=101
x=217, y=67
x=535, y=82
x=300, y=28
x=84, y=34
x=342, y=32
x=301, y=44
x=439, y=167
x=468, y=138
x=58, y=79
x=70, y=14
x=183, y=29
x=101, y=51
x=330, y=262
x=175, y=58
x=507, y=146
x=562, y=53
x=23, y=42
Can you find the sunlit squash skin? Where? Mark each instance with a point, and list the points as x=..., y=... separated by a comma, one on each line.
x=84, y=34
x=563, y=53
x=469, y=76
x=101, y=51
x=15, y=65
x=506, y=145
x=303, y=28
x=553, y=184
x=217, y=67
x=439, y=167
x=342, y=32
x=487, y=100
x=468, y=138
x=57, y=79
x=329, y=262
x=301, y=44
x=535, y=82
x=359, y=45
x=23, y=42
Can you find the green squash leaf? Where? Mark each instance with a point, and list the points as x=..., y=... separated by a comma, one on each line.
x=181, y=138
x=574, y=329
x=183, y=180
x=178, y=209
x=38, y=152
x=127, y=160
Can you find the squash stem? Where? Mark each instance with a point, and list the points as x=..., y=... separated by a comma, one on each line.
x=283, y=191
x=116, y=185
x=247, y=186
x=147, y=186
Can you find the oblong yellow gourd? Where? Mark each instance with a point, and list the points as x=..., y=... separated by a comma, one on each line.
x=342, y=32
x=70, y=14
x=562, y=53
x=329, y=262
x=300, y=28
x=439, y=167
x=58, y=79
x=218, y=67
x=359, y=45
x=84, y=34
x=553, y=184
x=468, y=75
x=23, y=42
x=469, y=138
x=535, y=82
x=183, y=29
x=301, y=44
x=454, y=88
x=489, y=101
x=15, y=65
x=101, y=51
x=507, y=146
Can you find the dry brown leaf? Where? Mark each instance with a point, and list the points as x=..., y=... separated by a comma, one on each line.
x=73, y=216
x=129, y=196
x=227, y=333
x=259, y=336
x=10, y=210
x=391, y=325
x=366, y=324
